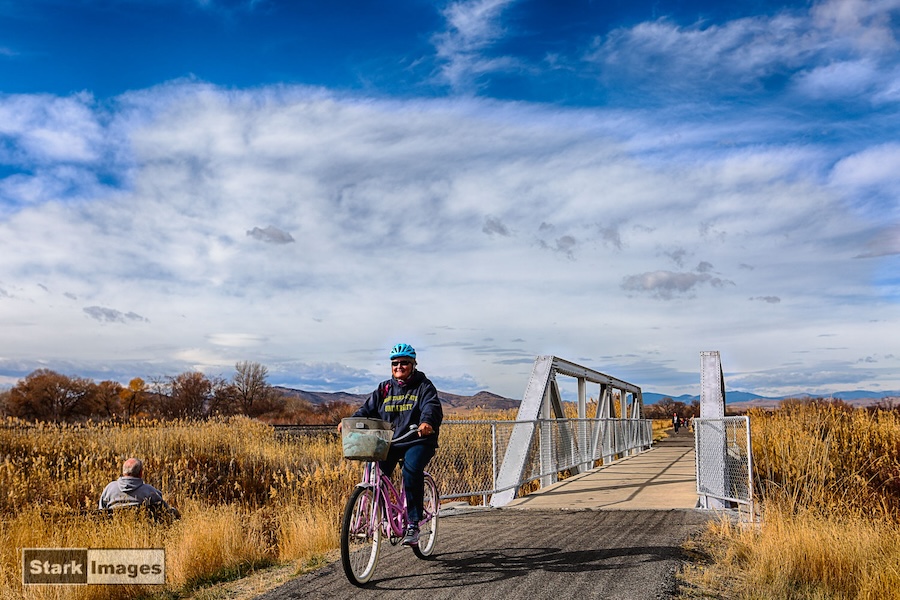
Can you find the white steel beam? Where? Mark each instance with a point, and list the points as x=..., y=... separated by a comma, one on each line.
x=542, y=398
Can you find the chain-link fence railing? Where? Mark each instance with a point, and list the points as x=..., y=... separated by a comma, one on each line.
x=724, y=462
x=471, y=453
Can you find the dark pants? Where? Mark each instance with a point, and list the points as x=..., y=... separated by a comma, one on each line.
x=415, y=458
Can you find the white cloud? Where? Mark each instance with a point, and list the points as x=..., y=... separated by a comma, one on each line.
x=740, y=52
x=885, y=242
x=236, y=340
x=435, y=223
x=47, y=129
x=867, y=24
x=870, y=181
x=834, y=50
x=839, y=79
x=472, y=27
x=874, y=166
x=56, y=148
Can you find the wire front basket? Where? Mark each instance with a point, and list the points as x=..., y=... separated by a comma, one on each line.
x=366, y=439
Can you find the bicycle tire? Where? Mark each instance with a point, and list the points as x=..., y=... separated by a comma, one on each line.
x=360, y=536
x=428, y=528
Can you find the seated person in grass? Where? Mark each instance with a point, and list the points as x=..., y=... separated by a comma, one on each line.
x=130, y=491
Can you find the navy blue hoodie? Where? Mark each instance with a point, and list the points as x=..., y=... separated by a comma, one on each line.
x=404, y=404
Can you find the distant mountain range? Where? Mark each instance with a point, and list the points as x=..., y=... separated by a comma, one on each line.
x=483, y=400
x=745, y=400
x=488, y=401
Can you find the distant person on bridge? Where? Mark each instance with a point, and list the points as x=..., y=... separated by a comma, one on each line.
x=407, y=398
x=676, y=422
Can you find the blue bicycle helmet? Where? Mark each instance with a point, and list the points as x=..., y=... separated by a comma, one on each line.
x=403, y=350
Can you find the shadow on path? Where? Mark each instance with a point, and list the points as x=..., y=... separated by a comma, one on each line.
x=505, y=554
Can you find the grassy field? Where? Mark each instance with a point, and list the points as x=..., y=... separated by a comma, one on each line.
x=829, y=488
x=828, y=480
x=248, y=498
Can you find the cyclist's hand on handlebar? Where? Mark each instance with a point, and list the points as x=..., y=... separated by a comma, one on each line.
x=425, y=429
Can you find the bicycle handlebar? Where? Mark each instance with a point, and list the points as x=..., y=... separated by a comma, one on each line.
x=412, y=429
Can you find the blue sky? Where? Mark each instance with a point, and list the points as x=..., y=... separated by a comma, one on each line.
x=186, y=184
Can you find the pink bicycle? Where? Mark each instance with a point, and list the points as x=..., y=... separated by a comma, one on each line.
x=376, y=509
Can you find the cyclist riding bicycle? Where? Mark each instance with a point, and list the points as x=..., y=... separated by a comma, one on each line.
x=407, y=398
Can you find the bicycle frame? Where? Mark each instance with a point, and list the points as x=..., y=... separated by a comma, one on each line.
x=386, y=496
x=375, y=513
x=392, y=498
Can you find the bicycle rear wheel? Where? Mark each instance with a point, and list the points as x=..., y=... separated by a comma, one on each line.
x=360, y=536
x=428, y=526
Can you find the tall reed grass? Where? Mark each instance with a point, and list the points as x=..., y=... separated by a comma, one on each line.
x=827, y=477
x=248, y=498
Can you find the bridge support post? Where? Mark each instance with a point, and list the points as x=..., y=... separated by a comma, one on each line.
x=712, y=448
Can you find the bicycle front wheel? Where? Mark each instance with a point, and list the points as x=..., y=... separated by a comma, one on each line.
x=360, y=536
x=428, y=526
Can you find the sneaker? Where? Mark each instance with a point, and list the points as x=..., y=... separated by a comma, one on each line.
x=412, y=536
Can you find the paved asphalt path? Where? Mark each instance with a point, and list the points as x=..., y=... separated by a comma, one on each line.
x=507, y=554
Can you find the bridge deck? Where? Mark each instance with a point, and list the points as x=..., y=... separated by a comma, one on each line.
x=659, y=479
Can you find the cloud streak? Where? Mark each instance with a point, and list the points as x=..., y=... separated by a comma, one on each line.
x=472, y=27
x=666, y=284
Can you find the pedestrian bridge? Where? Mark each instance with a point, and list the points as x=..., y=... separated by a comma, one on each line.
x=597, y=452
x=499, y=460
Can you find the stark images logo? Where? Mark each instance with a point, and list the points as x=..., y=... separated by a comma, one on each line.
x=108, y=566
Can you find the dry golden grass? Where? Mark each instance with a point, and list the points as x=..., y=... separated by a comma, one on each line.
x=248, y=498
x=830, y=522
x=825, y=454
x=829, y=485
x=660, y=428
x=223, y=461
x=29, y=528
x=801, y=555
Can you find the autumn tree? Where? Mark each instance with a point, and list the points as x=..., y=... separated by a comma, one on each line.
x=108, y=403
x=299, y=411
x=250, y=390
x=186, y=396
x=666, y=407
x=46, y=395
x=158, y=395
x=134, y=398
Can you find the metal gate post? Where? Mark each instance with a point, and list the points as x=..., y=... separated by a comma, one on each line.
x=712, y=406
